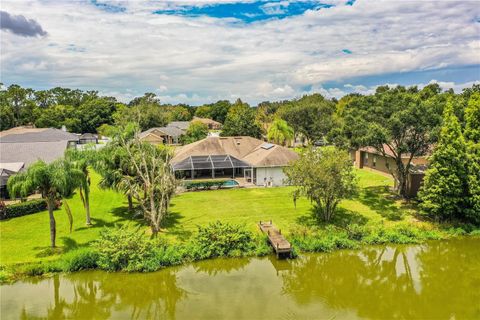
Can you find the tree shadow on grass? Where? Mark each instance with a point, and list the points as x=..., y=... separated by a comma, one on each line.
x=174, y=227
x=381, y=200
x=344, y=217
x=121, y=213
x=341, y=218
x=48, y=251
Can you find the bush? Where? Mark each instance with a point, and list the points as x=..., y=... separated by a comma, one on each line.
x=39, y=268
x=123, y=248
x=219, y=239
x=323, y=240
x=475, y=233
x=169, y=255
x=80, y=259
x=22, y=208
x=205, y=185
x=353, y=236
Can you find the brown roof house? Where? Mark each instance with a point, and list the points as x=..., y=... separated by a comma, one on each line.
x=169, y=135
x=162, y=135
x=369, y=157
x=211, y=124
x=256, y=161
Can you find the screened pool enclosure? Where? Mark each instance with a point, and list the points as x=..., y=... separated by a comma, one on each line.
x=212, y=166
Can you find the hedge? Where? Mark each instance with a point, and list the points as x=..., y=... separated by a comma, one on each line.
x=208, y=184
x=22, y=208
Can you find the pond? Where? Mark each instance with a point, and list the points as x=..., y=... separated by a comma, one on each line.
x=437, y=280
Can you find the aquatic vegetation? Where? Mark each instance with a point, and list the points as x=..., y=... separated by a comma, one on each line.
x=354, y=236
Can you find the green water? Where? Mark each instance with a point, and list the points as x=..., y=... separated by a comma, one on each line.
x=438, y=280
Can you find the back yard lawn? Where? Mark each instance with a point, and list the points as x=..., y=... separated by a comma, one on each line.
x=26, y=239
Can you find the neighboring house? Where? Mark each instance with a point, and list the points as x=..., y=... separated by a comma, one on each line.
x=211, y=124
x=182, y=125
x=169, y=135
x=254, y=160
x=162, y=135
x=22, y=146
x=87, y=138
x=369, y=157
x=6, y=170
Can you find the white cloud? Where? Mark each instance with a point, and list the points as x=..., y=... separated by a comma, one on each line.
x=339, y=92
x=198, y=60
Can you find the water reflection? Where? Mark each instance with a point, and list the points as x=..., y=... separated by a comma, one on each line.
x=99, y=295
x=217, y=266
x=436, y=280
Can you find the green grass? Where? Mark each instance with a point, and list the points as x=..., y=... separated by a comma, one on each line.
x=26, y=239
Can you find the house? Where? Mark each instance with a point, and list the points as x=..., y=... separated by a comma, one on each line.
x=88, y=138
x=6, y=170
x=162, y=135
x=22, y=146
x=211, y=124
x=170, y=134
x=254, y=160
x=369, y=157
x=182, y=125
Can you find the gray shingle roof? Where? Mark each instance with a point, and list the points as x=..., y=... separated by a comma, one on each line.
x=30, y=152
x=36, y=135
x=179, y=124
x=171, y=131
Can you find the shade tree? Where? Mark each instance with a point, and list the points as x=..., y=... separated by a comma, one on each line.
x=325, y=176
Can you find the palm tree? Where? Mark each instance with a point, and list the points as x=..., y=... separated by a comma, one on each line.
x=280, y=132
x=80, y=161
x=113, y=164
x=54, y=181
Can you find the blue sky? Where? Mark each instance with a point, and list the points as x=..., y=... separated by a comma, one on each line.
x=201, y=51
x=246, y=12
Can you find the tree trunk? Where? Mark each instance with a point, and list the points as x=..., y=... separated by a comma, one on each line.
x=130, y=202
x=86, y=204
x=53, y=229
x=402, y=179
x=87, y=211
x=155, y=230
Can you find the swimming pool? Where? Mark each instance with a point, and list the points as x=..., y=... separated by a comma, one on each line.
x=230, y=184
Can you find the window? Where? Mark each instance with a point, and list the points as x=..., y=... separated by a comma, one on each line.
x=374, y=164
x=365, y=158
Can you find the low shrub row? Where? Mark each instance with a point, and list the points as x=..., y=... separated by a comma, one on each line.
x=128, y=249
x=204, y=185
x=22, y=208
x=353, y=236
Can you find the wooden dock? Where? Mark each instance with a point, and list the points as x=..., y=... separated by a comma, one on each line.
x=281, y=246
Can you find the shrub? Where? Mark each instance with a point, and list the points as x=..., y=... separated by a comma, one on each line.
x=169, y=255
x=123, y=248
x=353, y=236
x=325, y=240
x=39, y=268
x=206, y=185
x=475, y=233
x=80, y=259
x=22, y=208
x=219, y=239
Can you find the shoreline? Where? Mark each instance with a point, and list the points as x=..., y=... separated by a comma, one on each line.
x=9, y=276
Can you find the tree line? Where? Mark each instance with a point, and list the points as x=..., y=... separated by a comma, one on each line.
x=400, y=122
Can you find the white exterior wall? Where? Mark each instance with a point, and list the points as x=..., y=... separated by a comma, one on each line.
x=276, y=173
